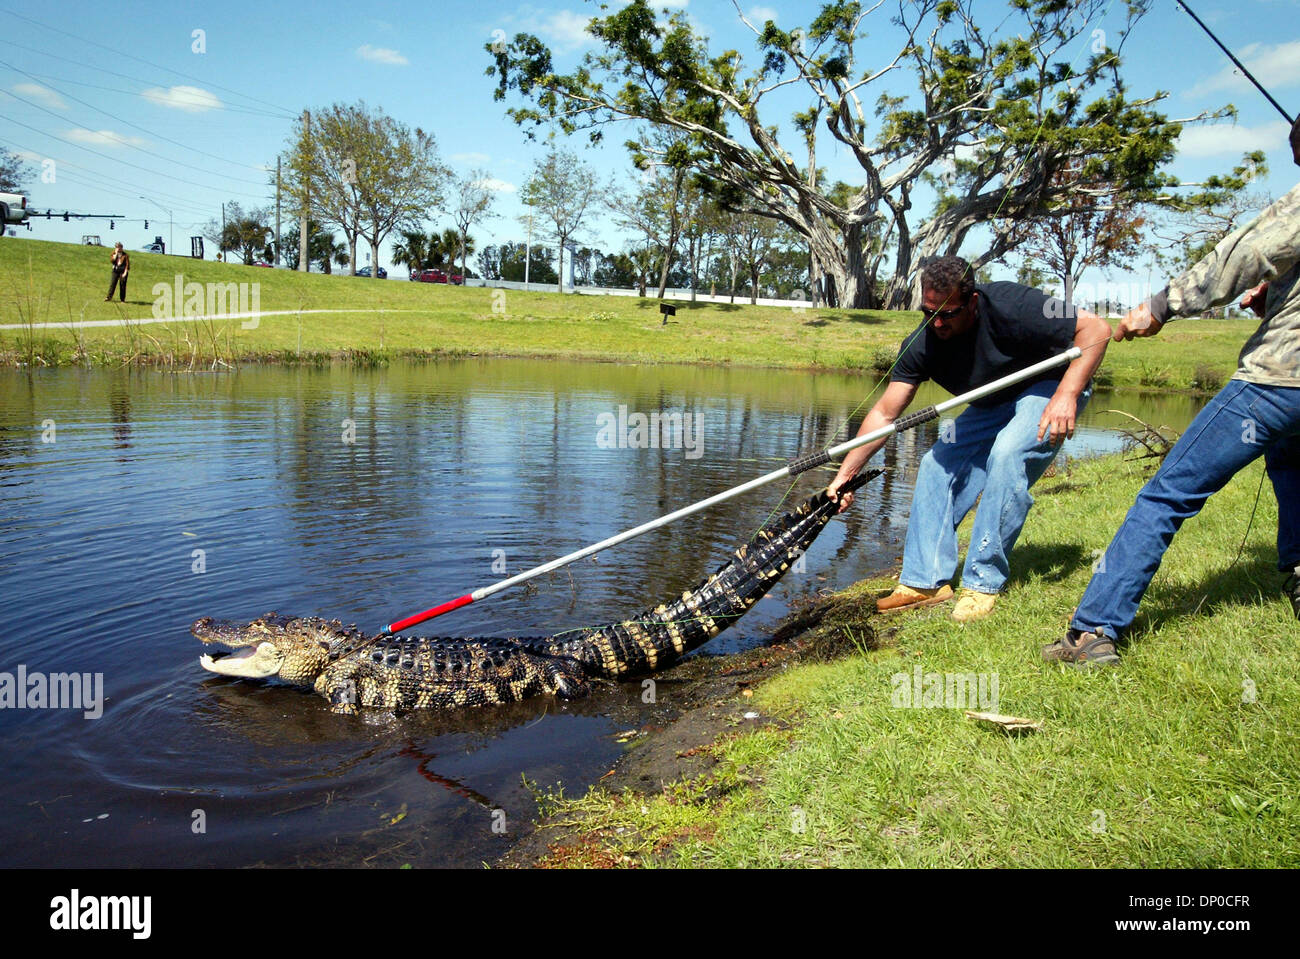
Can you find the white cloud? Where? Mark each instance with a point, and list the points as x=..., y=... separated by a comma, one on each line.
x=564, y=30
x=498, y=186
x=1221, y=139
x=760, y=15
x=103, y=138
x=381, y=55
x=189, y=99
x=470, y=159
x=1275, y=66
x=34, y=91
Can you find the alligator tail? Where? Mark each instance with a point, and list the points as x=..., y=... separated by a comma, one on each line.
x=664, y=634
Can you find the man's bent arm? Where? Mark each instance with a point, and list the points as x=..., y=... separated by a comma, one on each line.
x=1092, y=335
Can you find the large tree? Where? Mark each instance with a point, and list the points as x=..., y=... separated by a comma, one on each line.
x=562, y=188
x=1005, y=105
x=367, y=172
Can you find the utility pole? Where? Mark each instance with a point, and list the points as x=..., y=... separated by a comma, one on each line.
x=277, y=211
x=306, y=196
x=528, y=248
x=221, y=246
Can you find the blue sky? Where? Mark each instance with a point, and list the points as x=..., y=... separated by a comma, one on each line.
x=117, y=98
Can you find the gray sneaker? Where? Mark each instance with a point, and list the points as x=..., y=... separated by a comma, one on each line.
x=1082, y=650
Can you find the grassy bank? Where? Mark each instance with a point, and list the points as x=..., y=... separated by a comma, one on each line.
x=60, y=283
x=1185, y=756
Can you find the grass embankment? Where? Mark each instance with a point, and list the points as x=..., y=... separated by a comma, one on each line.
x=61, y=283
x=1187, y=755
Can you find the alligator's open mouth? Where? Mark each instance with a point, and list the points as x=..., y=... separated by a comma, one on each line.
x=231, y=654
x=223, y=658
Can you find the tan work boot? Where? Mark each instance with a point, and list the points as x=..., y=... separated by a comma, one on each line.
x=905, y=597
x=972, y=605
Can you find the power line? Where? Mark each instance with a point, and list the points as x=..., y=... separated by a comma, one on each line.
x=132, y=146
x=94, y=180
x=54, y=56
x=136, y=166
x=149, y=63
x=152, y=133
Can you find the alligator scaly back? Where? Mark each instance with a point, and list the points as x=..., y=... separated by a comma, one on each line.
x=352, y=669
x=661, y=636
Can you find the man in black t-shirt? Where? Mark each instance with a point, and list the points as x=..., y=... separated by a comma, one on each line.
x=998, y=447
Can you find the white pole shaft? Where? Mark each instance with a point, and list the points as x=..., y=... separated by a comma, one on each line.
x=834, y=452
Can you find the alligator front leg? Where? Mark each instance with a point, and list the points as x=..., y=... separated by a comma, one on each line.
x=566, y=679
x=343, y=698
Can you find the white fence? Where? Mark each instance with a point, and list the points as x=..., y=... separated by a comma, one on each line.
x=669, y=294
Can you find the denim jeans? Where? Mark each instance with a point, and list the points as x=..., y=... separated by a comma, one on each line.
x=1242, y=422
x=995, y=452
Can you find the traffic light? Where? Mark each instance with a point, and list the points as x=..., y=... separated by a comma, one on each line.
x=111, y=224
x=146, y=224
x=65, y=216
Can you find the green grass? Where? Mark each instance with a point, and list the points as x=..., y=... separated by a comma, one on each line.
x=42, y=282
x=1185, y=756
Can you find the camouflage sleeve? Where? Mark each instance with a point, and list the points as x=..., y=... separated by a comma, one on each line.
x=1264, y=249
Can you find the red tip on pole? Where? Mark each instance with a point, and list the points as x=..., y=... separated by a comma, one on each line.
x=447, y=607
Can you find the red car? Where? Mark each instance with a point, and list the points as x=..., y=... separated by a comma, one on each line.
x=436, y=276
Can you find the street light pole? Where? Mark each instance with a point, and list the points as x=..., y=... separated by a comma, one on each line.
x=171, y=229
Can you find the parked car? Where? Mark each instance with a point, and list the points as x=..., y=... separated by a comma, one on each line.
x=269, y=266
x=365, y=271
x=13, y=209
x=428, y=276
x=91, y=240
x=157, y=246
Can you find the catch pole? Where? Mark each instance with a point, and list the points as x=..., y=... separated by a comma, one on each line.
x=1240, y=66
x=794, y=468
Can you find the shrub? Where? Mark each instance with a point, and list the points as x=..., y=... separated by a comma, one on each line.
x=1207, y=379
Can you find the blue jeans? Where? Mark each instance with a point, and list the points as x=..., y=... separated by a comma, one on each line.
x=995, y=452
x=1242, y=422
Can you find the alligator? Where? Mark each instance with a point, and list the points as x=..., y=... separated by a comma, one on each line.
x=350, y=668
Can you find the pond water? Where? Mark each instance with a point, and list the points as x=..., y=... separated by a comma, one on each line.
x=133, y=502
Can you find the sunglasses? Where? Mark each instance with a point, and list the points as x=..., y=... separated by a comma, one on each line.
x=932, y=315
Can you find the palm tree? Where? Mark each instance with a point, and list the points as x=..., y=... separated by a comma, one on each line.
x=413, y=250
